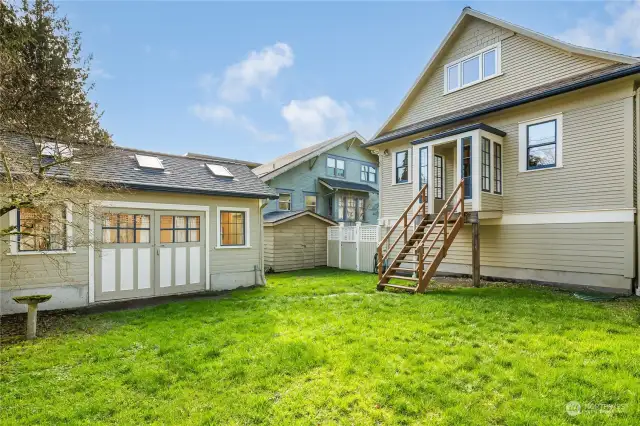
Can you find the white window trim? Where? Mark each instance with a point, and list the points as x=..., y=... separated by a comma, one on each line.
x=409, y=165
x=14, y=250
x=247, y=228
x=522, y=138
x=480, y=53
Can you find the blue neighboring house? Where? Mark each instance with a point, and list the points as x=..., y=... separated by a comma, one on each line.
x=337, y=179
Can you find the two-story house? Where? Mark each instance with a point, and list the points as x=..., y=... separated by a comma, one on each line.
x=335, y=181
x=534, y=141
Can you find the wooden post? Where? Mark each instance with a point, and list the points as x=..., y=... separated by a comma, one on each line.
x=420, y=266
x=475, y=251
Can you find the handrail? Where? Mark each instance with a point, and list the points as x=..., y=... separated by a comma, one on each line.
x=422, y=195
x=422, y=255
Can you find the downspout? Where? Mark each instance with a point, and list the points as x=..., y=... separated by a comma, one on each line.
x=637, y=183
x=263, y=278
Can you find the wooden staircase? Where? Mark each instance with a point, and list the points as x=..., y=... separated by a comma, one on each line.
x=425, y=241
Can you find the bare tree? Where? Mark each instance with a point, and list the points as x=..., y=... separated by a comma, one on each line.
x=49, y=129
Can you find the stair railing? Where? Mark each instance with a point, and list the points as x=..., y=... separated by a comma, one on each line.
x=422, y=198
x=446, y=217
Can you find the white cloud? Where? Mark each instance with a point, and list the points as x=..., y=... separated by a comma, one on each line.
x=317, y=119
x=255, y=72
x=220, y=114
x=620, y=32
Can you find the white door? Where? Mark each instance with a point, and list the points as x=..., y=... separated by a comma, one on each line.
x=124, y=261
x=180, y=252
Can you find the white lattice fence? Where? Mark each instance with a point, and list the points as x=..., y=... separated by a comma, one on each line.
x=352, y=247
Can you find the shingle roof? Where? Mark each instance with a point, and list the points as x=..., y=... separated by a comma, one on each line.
x=250, y=164
x=351, y=186
x=274, y=167
x=279, y=216
x=514, y=99
x=118, y=166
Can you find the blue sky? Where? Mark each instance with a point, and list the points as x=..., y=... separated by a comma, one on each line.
x=257, y=80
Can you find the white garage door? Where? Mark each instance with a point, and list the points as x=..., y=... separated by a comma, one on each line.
x=144, y=253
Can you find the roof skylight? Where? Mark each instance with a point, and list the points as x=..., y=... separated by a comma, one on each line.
x=219, y=170
x=149, y=162
x=54, y=149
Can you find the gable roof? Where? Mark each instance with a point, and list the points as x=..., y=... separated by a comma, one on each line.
x=117, y=166
x=288, y=161
x=558, y=87
x=278, y=217
x=469, y=13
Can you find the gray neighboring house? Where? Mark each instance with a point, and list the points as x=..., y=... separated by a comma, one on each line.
x=174, y=225
x=337, y=179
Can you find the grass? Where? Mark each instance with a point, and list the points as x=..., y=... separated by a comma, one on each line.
x=323, y=347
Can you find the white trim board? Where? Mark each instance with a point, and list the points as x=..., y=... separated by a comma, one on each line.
x=149, y=206
x=247, y=227
x=583, y=216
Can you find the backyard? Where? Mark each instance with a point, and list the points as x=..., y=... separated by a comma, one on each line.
x=323, y=347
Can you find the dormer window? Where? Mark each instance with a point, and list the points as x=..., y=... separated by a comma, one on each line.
x=472, y=69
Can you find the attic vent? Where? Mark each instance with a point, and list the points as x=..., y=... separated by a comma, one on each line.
x=219, y=170
x=149, y=162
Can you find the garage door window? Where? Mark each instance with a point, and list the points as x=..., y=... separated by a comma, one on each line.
x=179, y=229
x=125, y=228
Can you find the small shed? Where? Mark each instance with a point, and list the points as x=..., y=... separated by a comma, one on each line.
x=295, y=240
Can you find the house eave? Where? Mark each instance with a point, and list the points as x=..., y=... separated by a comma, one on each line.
x=509, y=104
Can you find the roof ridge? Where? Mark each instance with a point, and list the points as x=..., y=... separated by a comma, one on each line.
x=144, y=151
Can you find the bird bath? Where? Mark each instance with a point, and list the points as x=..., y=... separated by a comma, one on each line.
x=32, y=310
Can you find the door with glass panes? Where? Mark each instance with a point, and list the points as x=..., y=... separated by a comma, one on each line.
x=124, y=255
x=180, y=252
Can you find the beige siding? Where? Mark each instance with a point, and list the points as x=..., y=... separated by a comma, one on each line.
x=226, y=265
x=490, y=202
x=296, y=244
x=596, y=150
x=396, y=197
x=526, y=63
x=595, y=248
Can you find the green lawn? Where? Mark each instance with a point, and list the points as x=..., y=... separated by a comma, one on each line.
x=323, y=347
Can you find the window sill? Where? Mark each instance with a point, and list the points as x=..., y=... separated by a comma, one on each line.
x=35, y=253
x=541, y=169
x=232, y=247
x=401, y=183
x=472, y=84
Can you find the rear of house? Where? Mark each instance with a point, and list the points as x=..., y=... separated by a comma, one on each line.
x=542, y=134
x=173, y=225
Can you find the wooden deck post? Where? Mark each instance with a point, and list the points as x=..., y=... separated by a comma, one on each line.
x=475, y=250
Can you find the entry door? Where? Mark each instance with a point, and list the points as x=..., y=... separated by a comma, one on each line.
x=180, y=252
x=124, y=260
x=309, y=246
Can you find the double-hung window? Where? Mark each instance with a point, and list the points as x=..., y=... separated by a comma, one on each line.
x=42, y=231
x=402, y=166
x=335, y=167
x=472, y=69
x=310, y=202
x=284, y=201
x=486, y=165
x=541, y=144
x=367, y=173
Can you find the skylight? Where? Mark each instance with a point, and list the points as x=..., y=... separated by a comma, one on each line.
x=54, y=149
x=219, y=170
x=149, y=162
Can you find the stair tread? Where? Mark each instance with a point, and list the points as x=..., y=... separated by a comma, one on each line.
x=400, y=277
x=403, y=269
x=401, y=287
